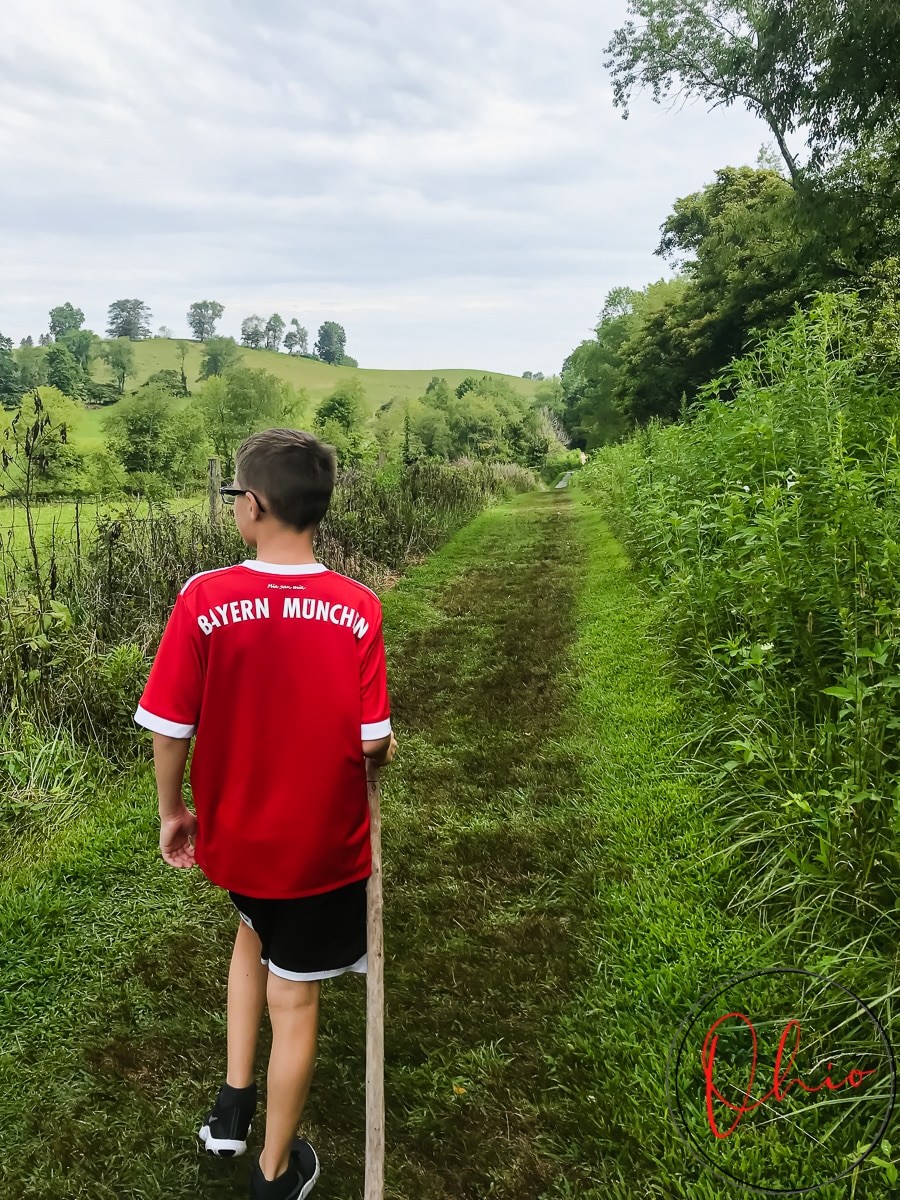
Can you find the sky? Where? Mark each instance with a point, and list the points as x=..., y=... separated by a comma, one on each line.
x=447, y=179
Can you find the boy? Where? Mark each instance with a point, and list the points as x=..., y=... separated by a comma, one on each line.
x=278, y=665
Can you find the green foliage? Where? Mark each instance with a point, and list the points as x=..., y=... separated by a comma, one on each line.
x=202, y=317
x=63, y=370
x=274, y=330
x=32, y=364
x=149, y=436
x=338, y=421
x=219, y=355
x=129, y=319
x=330, y=342
x=828, y=67
x=65, y=319
x=38, y=458
x=253, y=331
x=81, y=344
x=167, y=380
x=232, y=406
x=771, y=524
x=119, y=357
x=297, y=338
x=11, y=385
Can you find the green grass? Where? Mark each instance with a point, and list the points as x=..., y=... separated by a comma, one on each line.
x=551, y=914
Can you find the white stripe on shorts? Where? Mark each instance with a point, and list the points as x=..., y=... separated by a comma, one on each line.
x=361, y=965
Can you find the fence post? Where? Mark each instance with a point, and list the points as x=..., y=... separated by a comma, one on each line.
x=214, y=468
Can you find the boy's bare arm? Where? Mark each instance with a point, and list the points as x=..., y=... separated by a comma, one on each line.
x=178, y=825
x=380, y=751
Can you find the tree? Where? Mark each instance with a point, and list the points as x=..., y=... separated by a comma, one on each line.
x=826, y=66
x=42, y=460
x=274, y=330
x=183, y=350
x=119, y=357
x=331, y=342
x=233, y=406
x=344, y=405
x=63, y=370
x=168, y=381
x=165, y=332
x=10, y=377
x=27, y=341
x=296, y=338
x=202, y=317
x=45, y=340
x=141, y=432
x=338, y=420
x=219, y=354
x=253, y=331
x=129, y=319
x=80, y=343
x=32, y=364
x=64, y=319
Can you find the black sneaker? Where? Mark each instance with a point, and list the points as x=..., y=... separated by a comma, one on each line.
x=226, y=1128
x=296, y=1182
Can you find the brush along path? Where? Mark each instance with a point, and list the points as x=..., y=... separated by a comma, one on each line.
x=545, y=924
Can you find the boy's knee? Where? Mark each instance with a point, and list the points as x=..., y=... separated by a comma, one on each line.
x=291, y=993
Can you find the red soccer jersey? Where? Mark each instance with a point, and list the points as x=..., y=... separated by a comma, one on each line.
x=280, y=671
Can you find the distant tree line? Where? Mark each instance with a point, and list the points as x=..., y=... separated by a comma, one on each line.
x=62, y=357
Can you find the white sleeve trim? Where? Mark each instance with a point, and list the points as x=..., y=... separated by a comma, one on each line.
x=376, y=729
x=160, y=725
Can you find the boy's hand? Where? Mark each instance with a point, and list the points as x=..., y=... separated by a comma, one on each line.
x=176, y=838
x=372, y=765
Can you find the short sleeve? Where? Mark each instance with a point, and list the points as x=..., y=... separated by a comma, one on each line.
x=171, y=700
x=376, y=711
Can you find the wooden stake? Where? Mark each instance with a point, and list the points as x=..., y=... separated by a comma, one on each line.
x=374, y=1185
x=214, y=482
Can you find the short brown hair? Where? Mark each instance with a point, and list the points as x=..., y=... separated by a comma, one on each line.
x=294, y=471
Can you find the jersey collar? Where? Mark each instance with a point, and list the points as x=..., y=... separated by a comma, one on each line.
x=284, y=568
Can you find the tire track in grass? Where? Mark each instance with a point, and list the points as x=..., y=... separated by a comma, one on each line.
x=114, y=998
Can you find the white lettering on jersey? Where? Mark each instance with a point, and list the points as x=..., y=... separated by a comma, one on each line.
x=308, y=608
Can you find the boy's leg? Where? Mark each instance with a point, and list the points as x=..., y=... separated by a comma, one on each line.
x=247, y=979
x=294, y=1013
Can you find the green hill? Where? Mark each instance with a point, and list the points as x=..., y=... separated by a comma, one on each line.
x=157, y=354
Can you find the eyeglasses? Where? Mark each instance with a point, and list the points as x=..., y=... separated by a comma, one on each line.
x=229, y=494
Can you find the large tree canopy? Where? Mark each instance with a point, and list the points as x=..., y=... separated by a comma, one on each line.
x=130, y=319
x=65, y=318
x=330, y=342
x=202, y=317
x=827, y=67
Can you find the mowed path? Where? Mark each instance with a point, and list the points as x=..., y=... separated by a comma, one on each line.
x=530, y=712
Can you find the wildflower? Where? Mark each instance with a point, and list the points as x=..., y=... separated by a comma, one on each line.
x=766, y=646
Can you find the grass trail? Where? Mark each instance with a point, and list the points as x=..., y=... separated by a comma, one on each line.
x=547, y=919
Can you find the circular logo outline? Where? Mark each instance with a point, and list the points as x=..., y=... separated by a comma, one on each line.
x=679, y=1040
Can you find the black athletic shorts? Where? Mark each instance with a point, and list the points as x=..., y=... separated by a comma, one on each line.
x=310, y=937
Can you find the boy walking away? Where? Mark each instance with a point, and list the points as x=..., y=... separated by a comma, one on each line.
x=278, y=666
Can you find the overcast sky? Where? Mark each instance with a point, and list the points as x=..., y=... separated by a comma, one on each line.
x=448, y=179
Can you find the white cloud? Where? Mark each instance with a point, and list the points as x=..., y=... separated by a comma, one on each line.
x=450, y=177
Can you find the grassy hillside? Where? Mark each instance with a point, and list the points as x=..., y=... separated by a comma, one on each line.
x=319, y=379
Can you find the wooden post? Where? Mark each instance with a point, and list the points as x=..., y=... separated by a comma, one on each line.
x=214, y=469
x=374, y=1181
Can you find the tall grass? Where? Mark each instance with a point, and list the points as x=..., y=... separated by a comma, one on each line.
x=770, y=522
x=82, y=615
